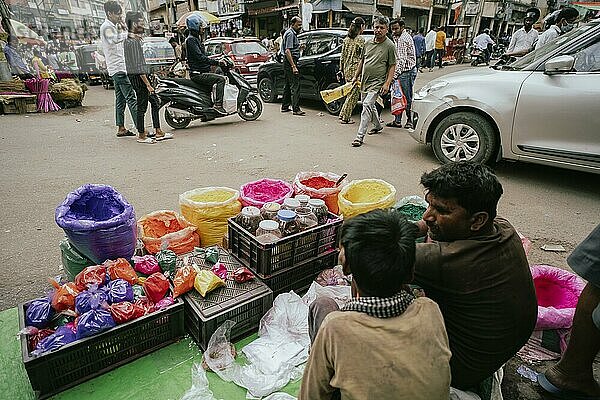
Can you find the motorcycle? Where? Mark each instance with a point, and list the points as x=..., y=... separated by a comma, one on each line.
x=498, y=51
x=477, y=56
x=186, y=101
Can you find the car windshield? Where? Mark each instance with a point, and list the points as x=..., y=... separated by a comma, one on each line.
x=549, y=48
x=244, y=48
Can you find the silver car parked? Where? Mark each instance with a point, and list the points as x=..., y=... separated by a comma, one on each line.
x=543, y=108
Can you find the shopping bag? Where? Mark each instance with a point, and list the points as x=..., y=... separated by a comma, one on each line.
x=398, y=98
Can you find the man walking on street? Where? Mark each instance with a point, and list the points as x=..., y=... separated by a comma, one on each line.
x=377, y=72
x=482, y=42
x=113, y=33
x=430, y=48
x=406, y=69
x=523, y=40
x=440, y=46
x=419, y=41
x=290, y=48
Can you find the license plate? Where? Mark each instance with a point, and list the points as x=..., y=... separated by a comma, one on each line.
x=253, y=69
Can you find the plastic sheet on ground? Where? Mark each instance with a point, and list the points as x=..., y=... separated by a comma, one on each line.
x=199, y=389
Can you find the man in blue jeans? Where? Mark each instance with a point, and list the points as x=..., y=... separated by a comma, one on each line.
x=406, y=69
x=113, y=33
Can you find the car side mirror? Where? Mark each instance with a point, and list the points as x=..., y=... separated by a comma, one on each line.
x=559, y=65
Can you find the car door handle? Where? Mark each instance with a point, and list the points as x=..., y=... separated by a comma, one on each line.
x=325, y=62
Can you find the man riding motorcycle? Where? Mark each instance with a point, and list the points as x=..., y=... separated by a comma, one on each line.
x=199, y=63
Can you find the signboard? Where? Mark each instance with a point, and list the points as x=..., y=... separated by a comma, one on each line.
x=471, y=8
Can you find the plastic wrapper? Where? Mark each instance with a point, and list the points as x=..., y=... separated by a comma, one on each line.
x=35, y=335
x=412, y=207
x=63, y=335
x=94, y=322
x=167, y=261
x=84, y=300
x=125, y=311
x=242, y=274
x=156, y=287
x=209, y=209
x=199, y=389
x=99, y=222
x=64, y=296
x=73, y=261
x=184, y=280
x=206, y=281
x=361, y=196
x=341, y=294
x=331, y=277
x=557, y=293
x=119, y=290
x=121, y=269
x=526, y=243
x=319, y=185
x=39, y=313
x=168, y=230
x=164, y=303
x=93, y=275
x=145, y=304
x=210, y=254
x=220, y=270
x=265, y=190
x=138, y=291
x=219, y=356
x=146, y=265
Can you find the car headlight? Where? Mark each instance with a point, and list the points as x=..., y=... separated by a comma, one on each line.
x=429, y=88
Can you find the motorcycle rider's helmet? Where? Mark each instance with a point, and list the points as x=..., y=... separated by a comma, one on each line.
x=195, y=23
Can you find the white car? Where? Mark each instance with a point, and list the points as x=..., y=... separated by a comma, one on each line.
x=543, y=108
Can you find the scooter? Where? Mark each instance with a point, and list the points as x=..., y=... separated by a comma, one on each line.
x=477, y=56
x=185, y=100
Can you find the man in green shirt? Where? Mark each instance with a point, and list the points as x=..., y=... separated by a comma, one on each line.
x=377, y=71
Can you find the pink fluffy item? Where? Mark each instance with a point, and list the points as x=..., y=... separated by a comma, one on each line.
x=265, y=190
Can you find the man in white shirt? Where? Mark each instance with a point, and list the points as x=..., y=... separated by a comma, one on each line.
x=482, y=41
x=565, y=21
x=523, y=40
x=430, y=48
x=112, y=34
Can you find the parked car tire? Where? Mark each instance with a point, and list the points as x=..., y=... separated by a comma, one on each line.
x=266, y=90
x=464, y=136
x=176, y=123
x=334, y=107
x=250, y=109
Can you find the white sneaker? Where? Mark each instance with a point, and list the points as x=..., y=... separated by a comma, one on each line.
x=165, y=136
x=146, y=141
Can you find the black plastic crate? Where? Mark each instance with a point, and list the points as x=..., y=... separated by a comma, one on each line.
x=84, y=359
x=300, y=277
x=244, y=303
x=267, y=259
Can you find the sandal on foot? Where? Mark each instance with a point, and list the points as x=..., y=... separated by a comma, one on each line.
x=146, y=141
x=394, y=124
x=165, y=136
x=357, y=143
x=374, y=131
x=125, y=133
x=561, y=393
x=349, y=122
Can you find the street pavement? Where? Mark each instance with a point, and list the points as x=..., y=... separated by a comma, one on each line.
x=45, y=156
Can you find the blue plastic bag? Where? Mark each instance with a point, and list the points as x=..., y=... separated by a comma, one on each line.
x=63, y=335
x=98, y=222
x=39, y=313
x=118, y=291
x=93, y=322
x=84, y=300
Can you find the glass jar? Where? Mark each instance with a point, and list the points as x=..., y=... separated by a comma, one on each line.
x=319, y=208
x=268, y=232
x=249, y=219
x=303, y=199
x=306, y=218
x=290, y=204
x=269, y=210
x=287, y=223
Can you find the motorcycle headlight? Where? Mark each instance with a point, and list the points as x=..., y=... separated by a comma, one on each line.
x=429, y=88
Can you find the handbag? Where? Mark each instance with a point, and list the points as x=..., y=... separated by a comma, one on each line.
x=398, y=98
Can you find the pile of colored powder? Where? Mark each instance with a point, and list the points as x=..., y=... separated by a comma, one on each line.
x=318, y=182
x=212, y=196
x=264, y=191
x=412, y=212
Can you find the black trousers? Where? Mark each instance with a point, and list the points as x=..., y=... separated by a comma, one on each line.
x=143, y=97
x=207, y=79
x=291, y=91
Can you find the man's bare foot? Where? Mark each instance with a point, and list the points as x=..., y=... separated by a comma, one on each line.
x=581, y=383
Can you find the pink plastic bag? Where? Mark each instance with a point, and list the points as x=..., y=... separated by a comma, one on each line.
x=146, y=265
x=557, y=294
x=265, y=190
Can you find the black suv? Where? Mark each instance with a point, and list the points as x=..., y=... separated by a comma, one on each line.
x=318, y=66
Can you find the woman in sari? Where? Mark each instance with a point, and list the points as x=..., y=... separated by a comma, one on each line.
x=353, y=50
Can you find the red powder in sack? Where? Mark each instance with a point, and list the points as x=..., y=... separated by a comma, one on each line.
x=318, y=182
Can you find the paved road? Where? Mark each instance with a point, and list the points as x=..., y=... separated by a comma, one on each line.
x=46, y=156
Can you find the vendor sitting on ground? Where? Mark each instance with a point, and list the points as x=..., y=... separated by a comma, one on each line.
x=385, y=343
x=475, y=268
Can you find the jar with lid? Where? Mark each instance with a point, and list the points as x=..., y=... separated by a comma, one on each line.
x=290, y=204
x=306, y=218
x=287, y=223
x=269, y=210
x=319, y=208
x=249, y=219
x=303, y=199
x=268, y=232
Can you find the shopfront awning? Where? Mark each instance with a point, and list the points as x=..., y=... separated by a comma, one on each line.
x=593, y=6
x=224, y=18
x=360, y=8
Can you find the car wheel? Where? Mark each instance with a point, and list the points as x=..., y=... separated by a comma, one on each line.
x=174, y=122
x=335, y=106
x=464, y=136
x=266, y=90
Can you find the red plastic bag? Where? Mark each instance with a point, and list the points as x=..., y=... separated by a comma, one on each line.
x=145, y=305
x=146, y=265
x=156, y=287
x=242, y=274
x=126, y=311
x=398, y=98
x=64, y=296
x=184, y=280
x=121, y=269
x=94, y=275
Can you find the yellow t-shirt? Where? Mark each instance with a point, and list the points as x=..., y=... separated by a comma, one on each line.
x=440, y=40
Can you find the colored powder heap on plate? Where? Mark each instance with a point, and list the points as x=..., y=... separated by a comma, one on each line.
x=212, y=196
x=318, y=182
x=264, y=191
